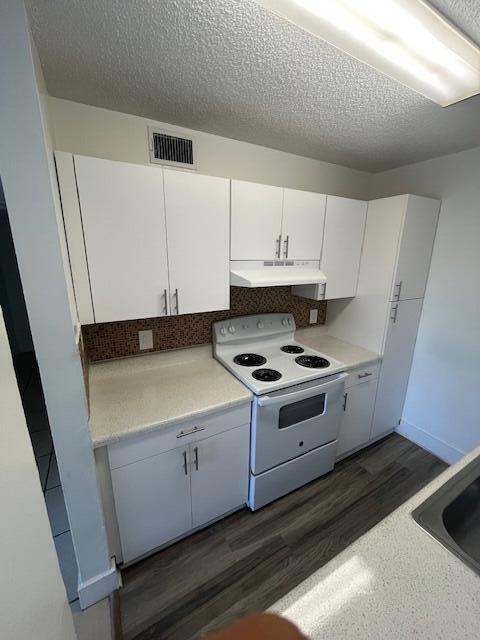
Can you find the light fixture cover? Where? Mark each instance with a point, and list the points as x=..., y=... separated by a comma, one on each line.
x=406, y=40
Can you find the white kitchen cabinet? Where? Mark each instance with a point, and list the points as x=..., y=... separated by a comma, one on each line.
x=342, y=246
x=152, y=501
x=391, y=254
x=219, y=473
x=256, y=221
x=397, y=361
x=143, y=241
x=122, y=210
x=356, y=423
x=162, y=491
x=302, y=224
x=273, y=223
x=341, y=251
x=198, y=229
x=416, y=248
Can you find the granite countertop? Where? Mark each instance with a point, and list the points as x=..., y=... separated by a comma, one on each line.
x=133, y=395
x=138, y=394
x=395, y=582
x=351, y=355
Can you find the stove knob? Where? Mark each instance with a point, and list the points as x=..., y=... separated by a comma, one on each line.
x=223, y=331
x=285, y=321
x=231, y=329
x=260, y=324
x=289, y=321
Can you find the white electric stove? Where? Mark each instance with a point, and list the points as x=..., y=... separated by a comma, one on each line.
x=297, y=407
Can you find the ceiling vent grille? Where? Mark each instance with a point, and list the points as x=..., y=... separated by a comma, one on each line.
x=167, y=148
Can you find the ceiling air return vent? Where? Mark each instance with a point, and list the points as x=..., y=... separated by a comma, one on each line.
x=167, y=148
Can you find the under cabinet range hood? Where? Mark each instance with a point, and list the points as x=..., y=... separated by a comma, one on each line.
x=275, y=273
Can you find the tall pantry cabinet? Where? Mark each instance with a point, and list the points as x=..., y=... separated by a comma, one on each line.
x=385, y=314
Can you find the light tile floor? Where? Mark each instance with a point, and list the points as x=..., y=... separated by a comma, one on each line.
x=37, y=422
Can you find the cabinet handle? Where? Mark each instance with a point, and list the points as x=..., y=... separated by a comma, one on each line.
x=365, y=375
x=345, y=396
x=285, y=247
x=165, y=308
x=398, y=287
x=395, y=313
x=182, y=434
x=185, y=466
x=278, y=246
x=176, y=300
x=196, y=458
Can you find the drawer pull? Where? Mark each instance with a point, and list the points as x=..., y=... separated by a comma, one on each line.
x=365, y=375
x=196, y=458
x=185, y=466
x=182, y=434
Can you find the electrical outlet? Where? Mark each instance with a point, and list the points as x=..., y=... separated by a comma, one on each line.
x=313, y=316
x=145, y=339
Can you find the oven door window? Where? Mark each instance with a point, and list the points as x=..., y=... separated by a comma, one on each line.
x=300, y=411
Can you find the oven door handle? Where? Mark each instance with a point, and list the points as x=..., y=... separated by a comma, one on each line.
x=295, y=396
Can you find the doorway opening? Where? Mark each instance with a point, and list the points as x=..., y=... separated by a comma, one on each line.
x=15, y=314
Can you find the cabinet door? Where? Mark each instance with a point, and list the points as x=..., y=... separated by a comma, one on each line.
x=302, y=225
x=122, y=209
x=416, y=248
x=396, y=365
x=256, y=221
x=219, y=474
x=152, y=501
x=342, y=245
x=356, y=421
x=198, y=229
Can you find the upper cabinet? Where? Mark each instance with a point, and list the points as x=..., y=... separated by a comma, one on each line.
x=198, y=230
x=342, y=245
x=341, y=250
x=271, y=223
x=302, y=224
x=415, y=251
x=256, y=221
x=122, y=209
x=396, y=255
x=143, y=241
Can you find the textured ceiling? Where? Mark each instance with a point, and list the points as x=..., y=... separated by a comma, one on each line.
x=231, y=68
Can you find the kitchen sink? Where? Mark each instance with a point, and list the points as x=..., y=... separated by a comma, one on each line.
x=452, y=515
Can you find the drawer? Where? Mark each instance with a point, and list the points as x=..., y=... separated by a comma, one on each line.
x=176, y=435
x=362, y=374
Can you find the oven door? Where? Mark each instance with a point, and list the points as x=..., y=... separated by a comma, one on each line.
x=290, y=422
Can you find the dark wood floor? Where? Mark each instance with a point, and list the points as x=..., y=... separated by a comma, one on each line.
x=248, y=561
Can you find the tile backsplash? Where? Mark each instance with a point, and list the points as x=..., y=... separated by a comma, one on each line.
x=119, y=339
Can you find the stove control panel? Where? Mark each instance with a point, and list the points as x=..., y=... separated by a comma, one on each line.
x=253, y=327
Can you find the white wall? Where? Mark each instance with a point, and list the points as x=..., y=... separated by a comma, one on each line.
x=442, y=411
x=26, y=168
x=33, y=603
x=86, y=130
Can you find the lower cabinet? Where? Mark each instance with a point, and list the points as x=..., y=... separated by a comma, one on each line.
x=165, y=495
x=396, y=366
x=152, y=501
x=219, y=474
x=357, y=418
x=358, y=407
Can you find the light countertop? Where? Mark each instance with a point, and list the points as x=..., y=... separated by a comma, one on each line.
x=394, y=583
x=135, y=395
x=351, y=355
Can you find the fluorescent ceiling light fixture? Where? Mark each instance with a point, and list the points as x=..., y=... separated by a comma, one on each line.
x=406, y=40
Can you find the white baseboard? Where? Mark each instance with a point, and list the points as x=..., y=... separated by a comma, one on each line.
x=99, y=587
x=439, y=448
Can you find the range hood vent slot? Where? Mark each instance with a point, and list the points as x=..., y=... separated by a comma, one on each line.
x=167, y=148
